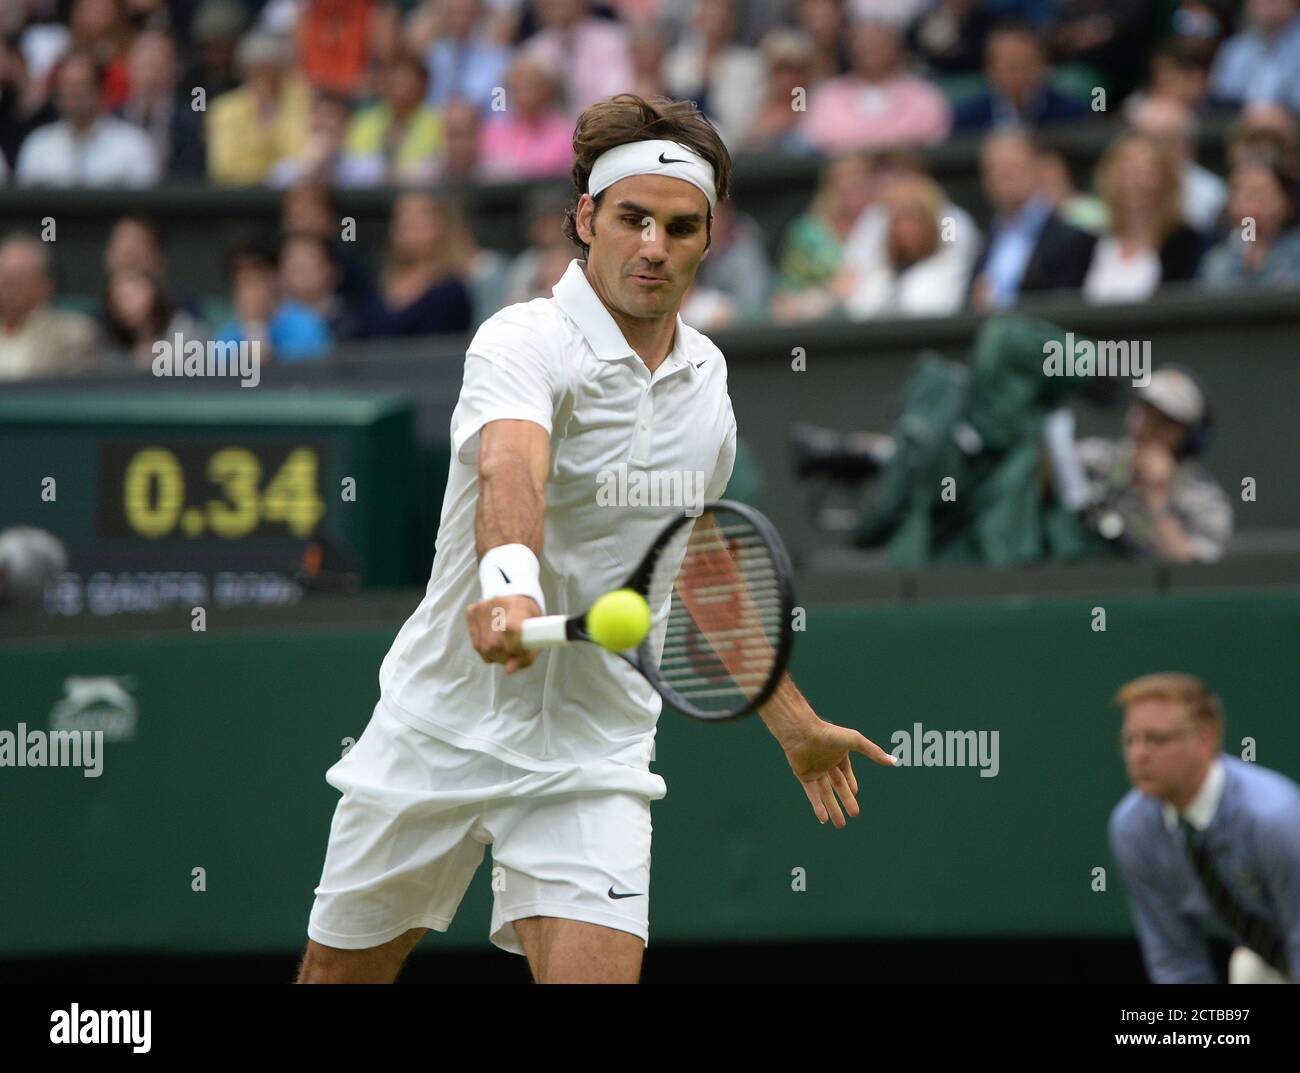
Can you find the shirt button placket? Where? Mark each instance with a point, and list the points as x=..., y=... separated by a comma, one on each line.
x=644, y=426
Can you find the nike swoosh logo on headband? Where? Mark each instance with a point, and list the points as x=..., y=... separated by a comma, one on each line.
x=671, y=160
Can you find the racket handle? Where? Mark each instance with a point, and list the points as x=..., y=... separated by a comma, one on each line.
x=544, y=631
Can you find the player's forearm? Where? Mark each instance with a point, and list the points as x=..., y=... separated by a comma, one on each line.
x=511, y=508
x=787, y=714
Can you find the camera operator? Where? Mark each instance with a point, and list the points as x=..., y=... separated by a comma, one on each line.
x=1149, y=494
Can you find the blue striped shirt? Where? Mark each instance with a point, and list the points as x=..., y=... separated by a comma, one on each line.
x=1254, y=836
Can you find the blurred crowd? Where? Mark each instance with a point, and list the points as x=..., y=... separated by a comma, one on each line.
x=315, y=96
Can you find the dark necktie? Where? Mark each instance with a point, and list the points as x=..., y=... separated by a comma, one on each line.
x=1253, y=930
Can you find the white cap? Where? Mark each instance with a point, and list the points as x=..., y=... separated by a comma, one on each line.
x=1174, y=394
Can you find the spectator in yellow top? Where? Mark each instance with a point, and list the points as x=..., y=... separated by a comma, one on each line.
x=264, y=120
x=398, y=140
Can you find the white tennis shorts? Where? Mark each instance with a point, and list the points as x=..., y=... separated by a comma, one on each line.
x=417, y=813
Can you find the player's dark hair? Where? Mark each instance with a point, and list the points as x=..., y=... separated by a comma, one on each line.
x=628, y=118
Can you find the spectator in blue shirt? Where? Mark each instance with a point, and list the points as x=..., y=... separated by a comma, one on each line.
x=1029, y=247
x=1204, y=842
x=1262, y=63
x=286, y=330
x=464, y=62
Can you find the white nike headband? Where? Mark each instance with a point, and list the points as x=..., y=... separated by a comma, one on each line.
x=652, y=158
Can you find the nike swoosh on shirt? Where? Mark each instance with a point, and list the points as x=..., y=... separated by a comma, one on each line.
x=634, y=894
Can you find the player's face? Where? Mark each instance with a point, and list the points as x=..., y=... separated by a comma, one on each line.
x=647, y=242
x=1164, y=751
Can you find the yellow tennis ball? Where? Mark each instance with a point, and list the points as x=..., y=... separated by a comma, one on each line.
x=619, y=620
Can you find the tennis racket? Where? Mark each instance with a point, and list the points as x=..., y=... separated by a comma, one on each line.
x=720, y=598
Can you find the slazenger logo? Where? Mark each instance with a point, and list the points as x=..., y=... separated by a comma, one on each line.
x=102, y=1026
x=101, y=703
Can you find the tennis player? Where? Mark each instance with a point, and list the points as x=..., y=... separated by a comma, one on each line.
x=545, y=755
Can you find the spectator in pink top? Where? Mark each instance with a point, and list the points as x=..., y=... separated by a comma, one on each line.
x=592, y=53
x=532, y=138
x=877, y=104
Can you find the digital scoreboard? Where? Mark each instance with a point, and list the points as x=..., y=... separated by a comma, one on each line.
x=247, y=494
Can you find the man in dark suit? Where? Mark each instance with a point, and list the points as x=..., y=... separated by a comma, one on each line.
x=1017, y=91
x=1029, y=248
x=161, y=108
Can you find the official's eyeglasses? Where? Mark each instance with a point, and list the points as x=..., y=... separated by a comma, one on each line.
x=1126, y=741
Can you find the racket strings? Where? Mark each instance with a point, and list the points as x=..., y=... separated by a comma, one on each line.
x=725, y=604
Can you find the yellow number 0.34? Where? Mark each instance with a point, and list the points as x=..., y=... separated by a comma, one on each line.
x=238, y=472
x=152, y=515
x=291, y=497
x=153, y=494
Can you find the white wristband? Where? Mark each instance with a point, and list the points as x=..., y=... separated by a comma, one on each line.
x=511, y=569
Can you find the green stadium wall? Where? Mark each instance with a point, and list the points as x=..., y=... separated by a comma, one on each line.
x=236, y=727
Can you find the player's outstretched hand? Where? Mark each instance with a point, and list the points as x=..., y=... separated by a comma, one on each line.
x=494, y=627
x=820, y=760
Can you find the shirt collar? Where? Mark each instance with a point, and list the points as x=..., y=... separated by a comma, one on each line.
x=1032, y=214
x=1204, y=805
x=582, y=305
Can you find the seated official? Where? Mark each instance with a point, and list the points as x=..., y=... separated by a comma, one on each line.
x=1205, y=842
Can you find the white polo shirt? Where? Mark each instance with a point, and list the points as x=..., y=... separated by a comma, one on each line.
x=563, y=363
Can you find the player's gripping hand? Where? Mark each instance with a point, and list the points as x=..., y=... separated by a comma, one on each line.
x=819, y=758
x=494, y=629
